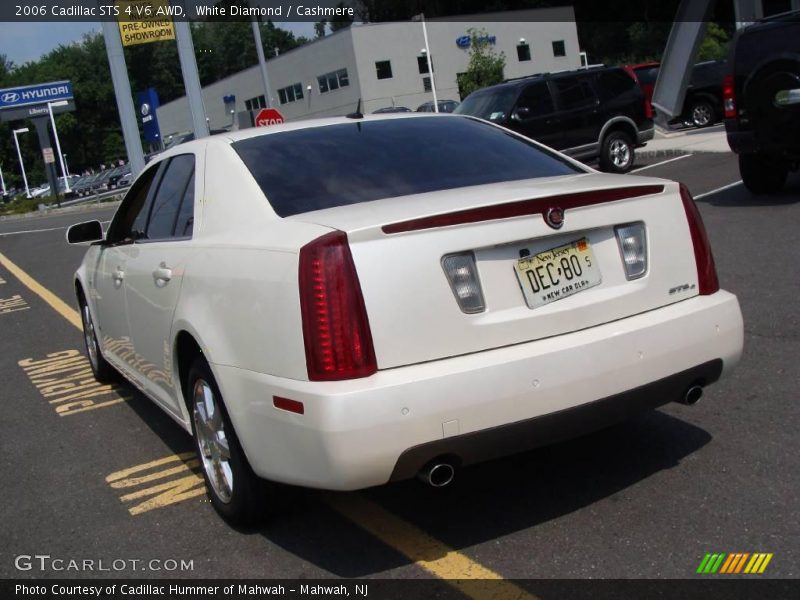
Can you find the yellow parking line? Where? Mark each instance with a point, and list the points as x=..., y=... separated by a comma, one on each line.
x=464, y=574
x=469, y=577
x=61, y=307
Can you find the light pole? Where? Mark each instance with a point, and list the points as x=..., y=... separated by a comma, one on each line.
x=65, y=163
x=427, y=52
x=19, y=155
x=50, y=106
x=2, y=180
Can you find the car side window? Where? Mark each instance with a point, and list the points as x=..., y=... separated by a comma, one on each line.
x=130, y=220
x=574, y=92
x=185, y=222
x=537, y=99
x=167, y=202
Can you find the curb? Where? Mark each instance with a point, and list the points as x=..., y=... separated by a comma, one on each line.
x=63, y=210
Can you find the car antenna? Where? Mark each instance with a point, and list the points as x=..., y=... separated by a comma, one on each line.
x=357, y=114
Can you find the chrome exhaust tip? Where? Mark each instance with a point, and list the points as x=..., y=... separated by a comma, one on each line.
x=437, y=474
x=692, y=395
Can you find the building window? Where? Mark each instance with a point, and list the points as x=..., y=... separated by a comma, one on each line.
x=559, y=49
x=333, y=81
x=291, y=93
x=422, y=64
x=523, y=52
x=256, y=103
x=384, y=69
x=426, y=84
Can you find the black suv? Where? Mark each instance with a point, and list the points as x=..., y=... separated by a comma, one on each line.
x=595, y=112
x=762, y=101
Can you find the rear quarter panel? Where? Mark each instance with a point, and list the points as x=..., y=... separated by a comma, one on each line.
x=240, y=298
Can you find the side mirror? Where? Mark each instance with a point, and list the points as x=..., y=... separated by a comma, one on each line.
x=522, y=113
x=85, y=233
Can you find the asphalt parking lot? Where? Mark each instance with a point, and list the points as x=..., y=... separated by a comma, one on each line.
x=101, y=473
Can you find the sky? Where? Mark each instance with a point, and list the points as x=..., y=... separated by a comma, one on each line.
x=23, y=42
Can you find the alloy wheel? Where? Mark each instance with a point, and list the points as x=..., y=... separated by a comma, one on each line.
x=701, y=115
x=212, y=441
x=620, y=153
x=89, y=336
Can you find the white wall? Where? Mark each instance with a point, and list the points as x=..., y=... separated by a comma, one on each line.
x=360, y=46
x=401, y=44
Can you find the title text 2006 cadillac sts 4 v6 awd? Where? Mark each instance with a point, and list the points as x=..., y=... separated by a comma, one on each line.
x=346, y=302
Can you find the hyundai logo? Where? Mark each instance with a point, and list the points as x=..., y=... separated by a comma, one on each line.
x=555, y=217
x=9, y=97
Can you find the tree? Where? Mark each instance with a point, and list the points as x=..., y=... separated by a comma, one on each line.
x=485, y=65
x=340, y=22
x=320, y=28
x=6, y=66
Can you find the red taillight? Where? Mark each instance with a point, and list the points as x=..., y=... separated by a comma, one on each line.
x=335, y=325
x=706, y=271
x=729, y=97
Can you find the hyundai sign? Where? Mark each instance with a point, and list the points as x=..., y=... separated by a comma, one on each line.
x=41, y=93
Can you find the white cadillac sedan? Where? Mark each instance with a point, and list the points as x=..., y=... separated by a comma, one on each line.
x=346, y=302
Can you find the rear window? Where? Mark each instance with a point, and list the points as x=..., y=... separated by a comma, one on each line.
x=647, y=75
x=325, y=167
x=493, y=105
x=614, y=82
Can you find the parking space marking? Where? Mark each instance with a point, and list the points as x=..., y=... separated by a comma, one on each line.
x=13, y=304
x=56, y=303
x=663, y=162
x=42, y=230
x=188, y=485
x=469, y=577
x=66, y=381
x=719, y=189
x=2, y=281
x=31, y=231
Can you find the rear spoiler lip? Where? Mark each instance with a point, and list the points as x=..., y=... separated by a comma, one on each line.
x=536, y=206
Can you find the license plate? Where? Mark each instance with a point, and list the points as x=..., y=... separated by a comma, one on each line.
x=557, y=273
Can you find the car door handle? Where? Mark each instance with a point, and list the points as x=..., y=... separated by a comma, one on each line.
x=162, y=273
x=118, y=275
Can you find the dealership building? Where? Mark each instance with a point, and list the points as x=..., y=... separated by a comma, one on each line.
x=383, y=64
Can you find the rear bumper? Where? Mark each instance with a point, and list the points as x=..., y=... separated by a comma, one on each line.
x=745, y=141
x=364, y=432
x=565, y=424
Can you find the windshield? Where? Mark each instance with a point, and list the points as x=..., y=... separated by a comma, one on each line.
x=324, y=167
x=491, y=105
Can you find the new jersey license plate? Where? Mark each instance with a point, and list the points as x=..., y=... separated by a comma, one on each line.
x=557, y=273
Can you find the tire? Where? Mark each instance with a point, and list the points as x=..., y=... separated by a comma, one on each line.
x=102, y=370
x=702, y=114
x=616, y=154
x=239, y=496
x=762, y=174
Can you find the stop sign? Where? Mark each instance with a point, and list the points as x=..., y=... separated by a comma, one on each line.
x=268, y=116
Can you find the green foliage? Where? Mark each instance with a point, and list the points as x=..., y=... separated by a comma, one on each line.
x=22, y=205
x=715, y=45
x=485, y=64
x=320, y=28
